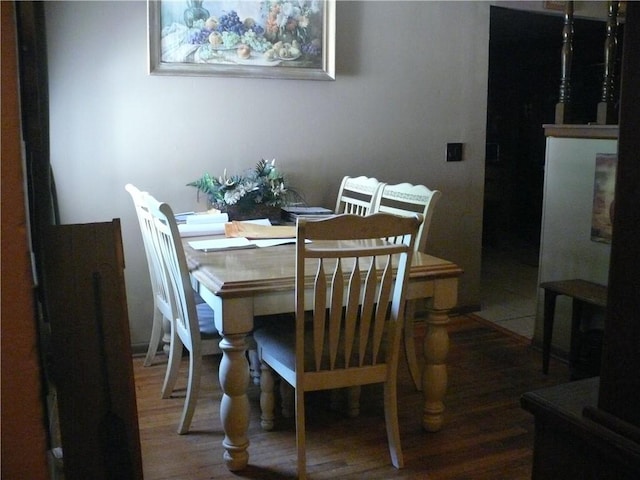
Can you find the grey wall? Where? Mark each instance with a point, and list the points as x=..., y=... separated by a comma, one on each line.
x=411, y=76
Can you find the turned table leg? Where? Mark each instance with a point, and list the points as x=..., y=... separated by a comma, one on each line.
x=234, y=406
x=434, y=374
x=436, y=349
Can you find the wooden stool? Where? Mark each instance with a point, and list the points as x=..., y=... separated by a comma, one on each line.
x=582, y=292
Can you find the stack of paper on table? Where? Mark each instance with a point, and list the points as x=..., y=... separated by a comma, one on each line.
x=198, y=224
x=235, y=243
x=295, y=212
x=221, y=244
x=207, y=217
x=258, y=231
x=182, y=216
x=248, y=234
x=195, y=225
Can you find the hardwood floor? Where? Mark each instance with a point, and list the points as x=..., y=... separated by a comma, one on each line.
x=486, y=435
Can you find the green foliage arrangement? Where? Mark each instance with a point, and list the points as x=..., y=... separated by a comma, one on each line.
x=265, y=185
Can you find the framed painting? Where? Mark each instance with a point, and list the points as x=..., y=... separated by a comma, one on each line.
x=604, y=190
x=289, y=39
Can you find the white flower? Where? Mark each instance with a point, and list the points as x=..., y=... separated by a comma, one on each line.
x=277, y=189
x=251, y=185
x=287, y=9
x=303, y=21
x=231, y=197
x=281, y=19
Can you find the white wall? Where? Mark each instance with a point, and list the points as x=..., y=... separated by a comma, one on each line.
x=411, y=76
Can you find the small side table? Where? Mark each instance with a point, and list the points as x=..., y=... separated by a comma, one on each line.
x=582, y=292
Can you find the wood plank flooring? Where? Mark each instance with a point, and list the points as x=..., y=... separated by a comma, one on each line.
x=486, y=434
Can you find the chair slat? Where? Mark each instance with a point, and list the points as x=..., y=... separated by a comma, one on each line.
x=335, y=312
x=382, y=304
x=367, y=310
x=351, y=311
x=319, y=314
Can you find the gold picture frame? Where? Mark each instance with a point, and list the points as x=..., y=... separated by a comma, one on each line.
x=279, y=39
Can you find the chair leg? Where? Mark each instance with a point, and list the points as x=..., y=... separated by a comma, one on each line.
x=335, y=399
x=173, y=365
x=254, y=366
x=154, y=341
x=352, y=395
x=391, y=421
x=193, y=389
x=410, y=345
x=286, y=399
x=267, y=402
x=254, y=359
x=353, y=401
x=300, y=434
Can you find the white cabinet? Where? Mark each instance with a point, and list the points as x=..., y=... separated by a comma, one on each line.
x=566, y=248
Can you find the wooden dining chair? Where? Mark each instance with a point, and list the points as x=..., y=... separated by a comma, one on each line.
x=356, y=195
x=192, y=325
x=407, y=199
x=161, y=304
x=348, y=316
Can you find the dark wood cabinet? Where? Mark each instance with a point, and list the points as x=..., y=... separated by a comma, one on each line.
x=91, y=362
x=570, y=445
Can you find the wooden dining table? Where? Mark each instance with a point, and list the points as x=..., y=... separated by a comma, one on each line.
x=244, y=283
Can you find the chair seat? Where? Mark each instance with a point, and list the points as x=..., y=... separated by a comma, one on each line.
x=197, y=298
x=205, y=321
x=279, y=340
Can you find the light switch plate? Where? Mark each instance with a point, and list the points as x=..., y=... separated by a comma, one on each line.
x=454, y=152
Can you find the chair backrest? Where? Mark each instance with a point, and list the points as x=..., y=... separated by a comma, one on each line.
x=352, y=271
x=157, y=274
x=167, y=240
x=357, y=195
x=406, y=199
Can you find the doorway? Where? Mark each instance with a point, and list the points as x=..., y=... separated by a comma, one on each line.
x=523, y=87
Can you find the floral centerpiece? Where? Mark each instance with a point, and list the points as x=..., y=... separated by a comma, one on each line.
x=256, y=193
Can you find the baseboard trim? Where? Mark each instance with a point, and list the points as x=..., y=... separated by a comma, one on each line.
x=500, y=328
x=139, y=349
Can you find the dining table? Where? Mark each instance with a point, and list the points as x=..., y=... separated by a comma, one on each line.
x=240, y=284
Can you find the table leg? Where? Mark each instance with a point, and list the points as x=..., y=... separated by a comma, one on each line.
x=436, y=349
x=234, y=406
x=434, y=374
x=549, y=314
x=574, y=346
x=166, y=335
